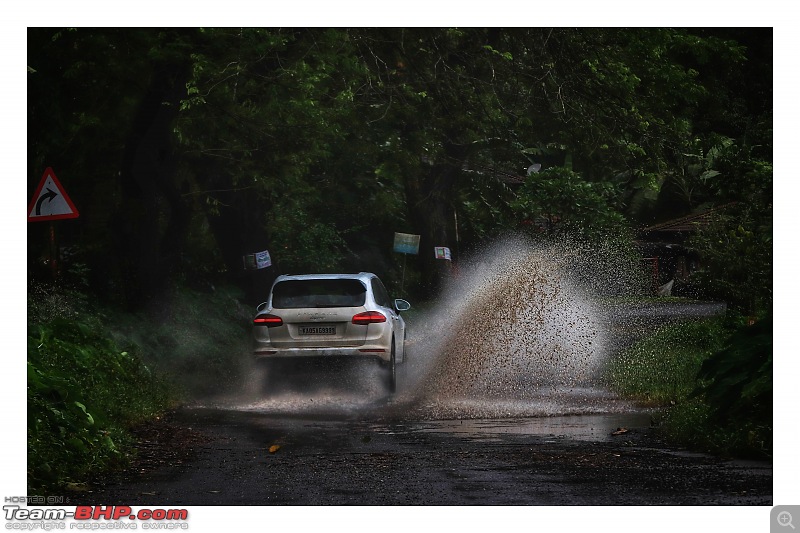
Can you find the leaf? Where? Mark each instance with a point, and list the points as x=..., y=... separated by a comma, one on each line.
x=274, y=448
x=89, y=417
x=77, y=487
x=109, y=443
x=78, y=444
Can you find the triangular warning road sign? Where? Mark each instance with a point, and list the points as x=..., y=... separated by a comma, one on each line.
x=50, y=201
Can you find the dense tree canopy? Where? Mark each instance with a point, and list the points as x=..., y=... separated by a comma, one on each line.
x=189, y=148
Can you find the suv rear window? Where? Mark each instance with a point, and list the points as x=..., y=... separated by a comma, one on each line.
x=297, y=294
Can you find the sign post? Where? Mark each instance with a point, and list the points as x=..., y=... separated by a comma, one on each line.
x=257, y=260
x=50, y=202
x=442, y=252
x=405, y=243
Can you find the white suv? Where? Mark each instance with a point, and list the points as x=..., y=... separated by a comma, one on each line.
x=327, y=316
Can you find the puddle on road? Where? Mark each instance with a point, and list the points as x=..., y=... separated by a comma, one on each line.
x=594, y=428
x=537, y=403
x=580, y=414
x=483, y=420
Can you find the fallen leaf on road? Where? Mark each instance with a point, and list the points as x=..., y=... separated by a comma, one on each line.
x=620, y=431
x=274, y=448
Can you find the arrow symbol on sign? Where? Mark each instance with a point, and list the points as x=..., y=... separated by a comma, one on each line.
x=49, y=195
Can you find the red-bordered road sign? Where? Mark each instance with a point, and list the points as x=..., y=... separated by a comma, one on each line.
x=50, y=201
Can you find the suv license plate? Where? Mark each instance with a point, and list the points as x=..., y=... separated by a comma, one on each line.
x=317, y=330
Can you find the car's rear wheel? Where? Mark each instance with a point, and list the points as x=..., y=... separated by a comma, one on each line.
x=271, y=378
x=391, y=371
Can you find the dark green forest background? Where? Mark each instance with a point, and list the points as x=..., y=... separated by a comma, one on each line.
x=185, y=149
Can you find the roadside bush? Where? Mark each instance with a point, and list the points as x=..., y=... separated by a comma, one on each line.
x=736, y=385
x=713, y=377
x=95, y=372
x=83, y=394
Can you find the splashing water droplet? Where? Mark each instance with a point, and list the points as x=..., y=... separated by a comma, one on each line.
x=515, y=328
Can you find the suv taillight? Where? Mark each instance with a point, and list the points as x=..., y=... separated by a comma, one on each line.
x=369, y=317
x=270, y=321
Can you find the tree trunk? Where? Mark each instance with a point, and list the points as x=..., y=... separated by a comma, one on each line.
x=430, y=199
x=153, y=219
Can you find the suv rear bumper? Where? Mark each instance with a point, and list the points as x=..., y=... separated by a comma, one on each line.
x=360, y=352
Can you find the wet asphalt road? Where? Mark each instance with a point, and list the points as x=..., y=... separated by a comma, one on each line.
x=548, y=448
x=212, y=456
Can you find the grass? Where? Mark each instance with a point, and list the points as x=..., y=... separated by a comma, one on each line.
x=712, y=381
x=661, y=369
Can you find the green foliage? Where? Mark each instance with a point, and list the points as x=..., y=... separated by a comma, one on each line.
x=690, y=423
x=730, y=409
x=560, y=202
x=83, y=394
x=738, y=264
x=736, y=246
x=714, y=379
x=305, y=244
x=94, y=372
x=266, y=122
x=662, y=367
x=737, y=381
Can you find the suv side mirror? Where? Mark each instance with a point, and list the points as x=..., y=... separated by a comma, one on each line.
x=401, y=305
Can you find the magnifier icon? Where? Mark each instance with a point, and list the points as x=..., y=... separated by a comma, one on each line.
x=785, y=519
